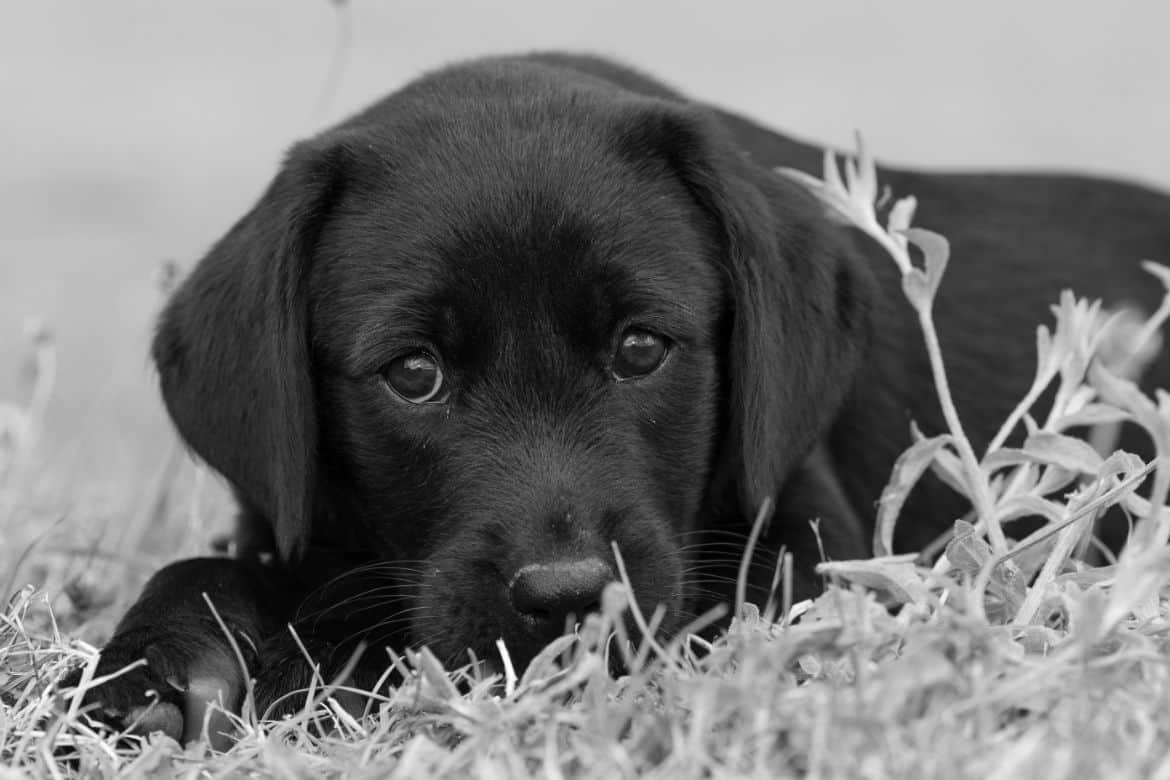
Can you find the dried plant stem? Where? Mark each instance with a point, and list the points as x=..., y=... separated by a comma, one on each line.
x=1066, y=542
x=981, y=497
x=1158, y=518
x=1038, y=386
x=745, y=560
x=46, y=379
x=1109, y=497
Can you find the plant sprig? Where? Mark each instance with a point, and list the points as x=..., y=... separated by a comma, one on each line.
x=1092, y=354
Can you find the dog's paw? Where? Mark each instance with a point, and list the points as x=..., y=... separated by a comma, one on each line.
x=169, y=693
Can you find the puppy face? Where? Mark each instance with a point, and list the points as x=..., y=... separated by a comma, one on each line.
x=502, y=320
x=517, y=357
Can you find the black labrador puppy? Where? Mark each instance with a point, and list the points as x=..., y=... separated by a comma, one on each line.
x=527, y=308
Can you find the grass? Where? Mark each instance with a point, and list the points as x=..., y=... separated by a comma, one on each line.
x=1000, y=658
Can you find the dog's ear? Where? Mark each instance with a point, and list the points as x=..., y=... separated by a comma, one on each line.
x=232, y=348
x=800, y=294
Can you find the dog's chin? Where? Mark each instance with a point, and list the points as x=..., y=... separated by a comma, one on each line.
x=517, y=651
x=484, y=640
x=487, y=631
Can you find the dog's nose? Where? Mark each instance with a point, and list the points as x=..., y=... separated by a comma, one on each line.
x=547, y=593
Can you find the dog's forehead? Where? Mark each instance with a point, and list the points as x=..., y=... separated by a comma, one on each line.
x=545, y=238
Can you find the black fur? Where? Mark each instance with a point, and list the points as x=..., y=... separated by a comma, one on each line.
x=513, y=216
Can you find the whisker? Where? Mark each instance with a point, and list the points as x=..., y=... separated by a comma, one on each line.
x=706, y=587
x=383, y=589
x=715, y=532
x=725, y=561
x=413, y=566
x=387, y=568
x=718, y=553
x=400, y=618
x=335, y=609
x=351, y=608
x=370, y=593
x=737, y=543
x=725, y=566
x=713, y=578
x=386, y=571
x=714, y=543
x=431, y=639
x=702, y=594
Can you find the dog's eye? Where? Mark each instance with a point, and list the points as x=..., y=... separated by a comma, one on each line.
x=417, y=378
x=639, y=353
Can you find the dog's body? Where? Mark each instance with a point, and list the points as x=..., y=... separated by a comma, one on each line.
x=525, y=308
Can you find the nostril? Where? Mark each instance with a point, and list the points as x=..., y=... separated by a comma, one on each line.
x=547, y=593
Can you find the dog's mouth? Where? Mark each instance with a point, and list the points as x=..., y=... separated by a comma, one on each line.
x=498, y=626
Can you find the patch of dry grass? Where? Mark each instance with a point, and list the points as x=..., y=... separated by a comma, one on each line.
x=1002, y=658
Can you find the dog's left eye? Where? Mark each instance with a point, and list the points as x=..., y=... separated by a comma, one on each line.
x=417, y=378
x=639, y=353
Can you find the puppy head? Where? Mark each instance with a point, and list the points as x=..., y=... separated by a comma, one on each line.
x=485, y=339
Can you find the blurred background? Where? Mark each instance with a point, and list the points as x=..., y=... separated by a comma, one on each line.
x=134, y=132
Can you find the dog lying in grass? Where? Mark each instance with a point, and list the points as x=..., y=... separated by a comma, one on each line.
x=527, y=315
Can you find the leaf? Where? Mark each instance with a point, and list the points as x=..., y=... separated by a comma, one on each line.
x=905, y=474
x=1043, y=347
x=1004, y=457
x=896, y=576
x=1124, y=346
x=949, y=469
x=1120, y=462
x=1037, y=640
x=832, y=203
x=1078, y=399
x=901, y=214
x=1141, y=507
x=936, y=250
x=809, y=638
x=1158, y=270
x=1086, y=578
x=968, y=553
x=863, y=184
x=1030, y=425
x=966, y=550
x=1053, y=479
x=1092, y=414
x=1008, y=585
x=1049, y=449
x=1125, y=394
x=1141, y=576
x=546, y=664
x=1120, y=392
x=1089, y=624
x=431, y=671
x=1029, y=506
x=1064, y=451
x=916, y=287
x=909, y=678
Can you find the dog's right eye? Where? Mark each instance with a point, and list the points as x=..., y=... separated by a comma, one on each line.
x=416, y=378
x=640, y=353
